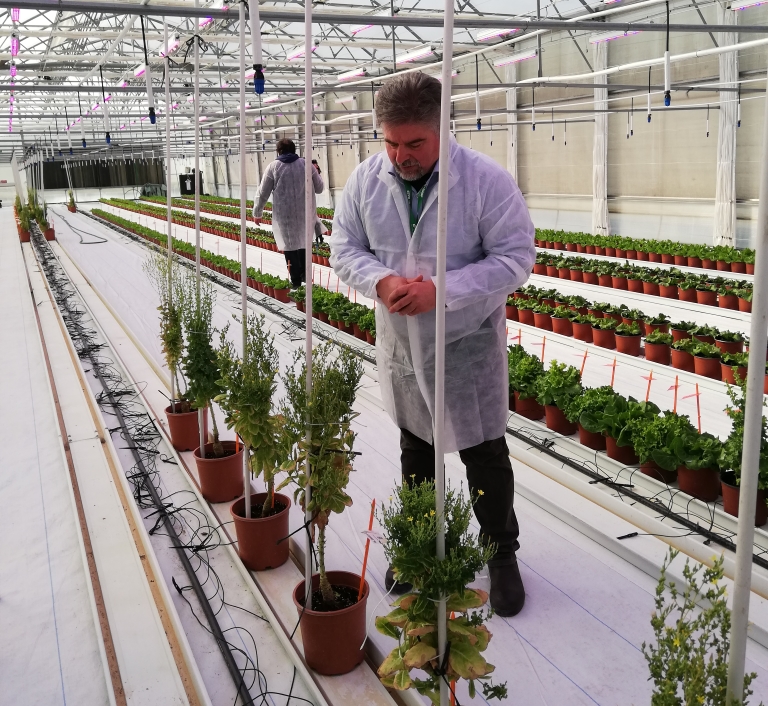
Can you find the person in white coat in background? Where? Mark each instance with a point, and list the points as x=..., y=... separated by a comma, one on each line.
x=384, y=244
x=284, y=181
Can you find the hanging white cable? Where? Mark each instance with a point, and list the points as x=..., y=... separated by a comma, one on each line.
x=477, y=94
x=667, y=79
x=148, y=77
x=753, y=432
x=440, y=265
x=243, y=238
x=649, y=94
x=258, y=64
x=373, y=113
x=169, y=215
x=309, y=231
x=196, y=181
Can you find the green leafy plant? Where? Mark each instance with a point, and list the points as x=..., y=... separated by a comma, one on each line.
x=593, y=400
x=559, y=385
x=687, y=326
x=686, y=344
x=688, y=661
x=614, y=419
x=411, y=526
x=732, y=448
x=731, y=336
x=319, y=427
x=247, y=385
x=632, y=329
x=71, y=199
x=200, y=362
x=659, y=337
x=658, y=320
x=605, y=324
x=524, y=370
x=706, y=350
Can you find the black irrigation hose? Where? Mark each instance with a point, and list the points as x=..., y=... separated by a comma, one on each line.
x=694, y=527
x=138, y=430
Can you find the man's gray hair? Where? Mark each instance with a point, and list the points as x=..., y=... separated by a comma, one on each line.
x=410, y=98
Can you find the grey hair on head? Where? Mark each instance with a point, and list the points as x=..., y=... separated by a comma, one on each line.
x=410, y=98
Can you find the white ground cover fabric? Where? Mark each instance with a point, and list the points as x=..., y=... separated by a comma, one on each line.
x=49, y=644
x=578, y=640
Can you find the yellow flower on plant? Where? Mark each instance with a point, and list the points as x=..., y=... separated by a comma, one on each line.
x=410, y=519
x=432, y=512
x=480, y=492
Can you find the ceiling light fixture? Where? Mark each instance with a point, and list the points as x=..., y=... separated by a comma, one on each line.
x=415, y=55
x=347, y=75
x=140, y=70
x=15, y=14
x=14, y=45
x=744, y=4
x=272, y=99
x=609, y=36
x=298, y=52
x=514, y=58
x=487, y=34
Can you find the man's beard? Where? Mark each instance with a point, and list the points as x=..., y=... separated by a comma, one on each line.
x=410, y=171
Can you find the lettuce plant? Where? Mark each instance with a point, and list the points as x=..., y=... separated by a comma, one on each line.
x=559, y=385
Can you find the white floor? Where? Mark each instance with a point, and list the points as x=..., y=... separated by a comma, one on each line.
x=49, y=640
x=578, y=640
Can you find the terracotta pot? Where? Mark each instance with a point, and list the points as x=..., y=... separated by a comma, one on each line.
x=49, y=234
x=557, y=421
x=668, y=290
x=590, y=278
x=543, y=321
x=525, y=316
x=610, y=252
x=654, y=257
x=694, y=261
x=540, y=269
x=605, y=280
x=641, y=255
x=681, y=260
x=704, y=338
x=562, y=326
x=564, y=272
x=604, y=338
x=630, y=345
x=300, y=306
x=591, y=250
x=679, y=335
x=590, y=439
x=739, y=268
x=744, y=305
x=599, y=250
x=686, y=295
x=708, y=367
x=618, y=282
x=622, y=454
x=557, y=245
x=282, y=295
x=551, y=271
x=657, y=353
x=357, y=332
x=370, y=338
x=259, y=539
x=323, y=317
x=731, y=501
x=730, y=346
x=708, y=264
x=528, y=408
x=621, y=253
x=650, y=468
x=581, y=248
x=703, y=484
x=576, y=276
x=706, y=296
x=650, y=328
x=723, y=266
x=24, y=236
x=333, y=640
x=637, y=285
x=750, y=268
x=184, y=430
x=727, y=373
x=682, y=360
x=668, y=259
x=582, y=332
x=630, y=254
x=728, y=301
x=571, y=247
x=652, y=288
x=221, y=479
x=511, y=312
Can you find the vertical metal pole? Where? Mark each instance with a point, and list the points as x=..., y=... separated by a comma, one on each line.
x=538, y=40
x=168, y=183
x=196, y=128
x=243, y=238
x=309, y=231
x=442, y=229
x=394, y=46
x=753, y=428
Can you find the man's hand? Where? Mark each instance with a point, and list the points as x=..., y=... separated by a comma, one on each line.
x=414, y=296
x=386, y=286
x=257, y=221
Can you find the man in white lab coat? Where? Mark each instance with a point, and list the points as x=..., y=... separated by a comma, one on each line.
x=384, y=245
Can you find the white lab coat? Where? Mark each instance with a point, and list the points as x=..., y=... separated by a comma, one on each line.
x=284, y=182
x=490, y=252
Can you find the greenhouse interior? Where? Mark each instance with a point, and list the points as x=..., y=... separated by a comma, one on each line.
x=277, y=458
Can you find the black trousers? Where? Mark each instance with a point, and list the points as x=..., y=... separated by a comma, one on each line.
x=488, y=469
x=296, y=260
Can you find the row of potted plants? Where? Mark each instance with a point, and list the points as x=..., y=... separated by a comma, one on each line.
x=338, y=310
x=321, y=211
x=718, y=257
x=666, y=445
x=672, y=283
x=217, y=209
x=33, y=210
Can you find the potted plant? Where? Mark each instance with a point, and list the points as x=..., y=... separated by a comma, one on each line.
x=511, y=309
x=561, y=320
x=682, y=354
x=525, y=309
x=657, y=347
x=653, y=439
x=706, y=293
x=24, y=225
x=733, y=366
x=659, y=322
x=604, y=332
x=698, y=457
x=668, y=287
x=628, y=338
x=730, y=458
x=686, y=289
x=542, y=317
x=524, y=370
x=729, y=341
x=706, y=360
x=682, y=329
x=220, y=473
x=319, y=426
x=555, y=390
x=744, y=299
x=727, y=298
x=410, y=525
x=593, y=400
x=71, y=203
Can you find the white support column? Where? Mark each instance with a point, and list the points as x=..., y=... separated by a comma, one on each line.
x=354, y=107
x=600, y=219
x=725, y=185
x=17, y=178
x=510, y=76
x=321, y=150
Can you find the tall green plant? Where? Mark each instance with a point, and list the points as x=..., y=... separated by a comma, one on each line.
x=200, y=361
x=320, y=426
x=411, y=525
x=248, y=384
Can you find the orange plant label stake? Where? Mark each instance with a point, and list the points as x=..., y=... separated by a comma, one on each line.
x=674, y=387
x=367, y=547
x=543, y=344
x=613, y=372
x=697, y=395
x=584, y=362
x=649, y=378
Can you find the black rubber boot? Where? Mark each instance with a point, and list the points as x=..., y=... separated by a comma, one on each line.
x=507, y=591
x=394, y=586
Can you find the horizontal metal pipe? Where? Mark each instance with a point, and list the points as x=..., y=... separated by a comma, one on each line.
x=399, y=20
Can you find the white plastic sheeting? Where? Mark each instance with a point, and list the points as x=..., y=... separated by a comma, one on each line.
x=511, y=77
x=600, y=219
x=725, y=185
